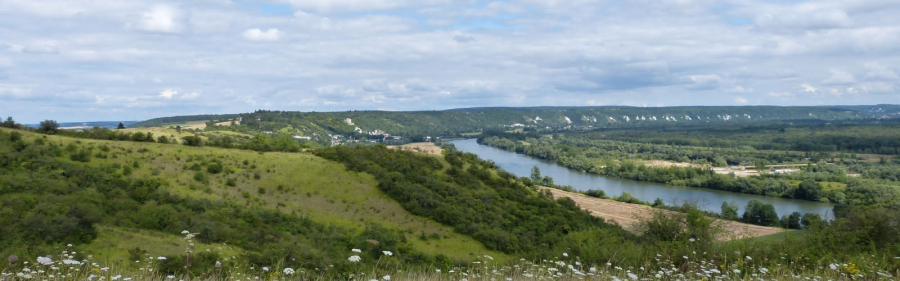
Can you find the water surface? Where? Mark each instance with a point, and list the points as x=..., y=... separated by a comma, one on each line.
x=708, y=199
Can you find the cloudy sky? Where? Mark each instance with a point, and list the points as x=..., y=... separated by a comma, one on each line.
x=132, y=60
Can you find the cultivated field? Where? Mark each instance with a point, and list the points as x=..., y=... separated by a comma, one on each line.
x=424, y=147
x=630, y=215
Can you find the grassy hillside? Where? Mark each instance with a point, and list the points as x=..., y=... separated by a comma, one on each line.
x=290, y=183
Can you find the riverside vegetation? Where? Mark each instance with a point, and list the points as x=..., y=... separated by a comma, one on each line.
x=830, y=162
x=79, y=208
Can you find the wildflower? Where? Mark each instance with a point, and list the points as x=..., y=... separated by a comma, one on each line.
x=488, y=257
x=763, y=270
x=736, y=271
x=71, y=262
x=692, y=239
x=354, y=259
x=632, y=276
x=748, y=258
x=161, y=258
x=833, y=266
x=437, y=270
x=185, y=232
x=386, y=277
x=170, y=277
x=116, y=277
x=592, y=270
x=387, y=253
x=104, y=269
x=44, y=260
x=566, y=255
x=265, y=268
x=356, y=251
x=218, y=264
x=68, y=245
x=288, y=271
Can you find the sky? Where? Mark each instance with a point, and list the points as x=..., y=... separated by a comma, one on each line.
x=134, y=60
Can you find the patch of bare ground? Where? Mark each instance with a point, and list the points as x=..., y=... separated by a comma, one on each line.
x=629, y=216
x=423, y=147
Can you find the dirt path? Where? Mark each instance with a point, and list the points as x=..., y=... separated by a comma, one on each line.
x=629, y=215
x=424, y=147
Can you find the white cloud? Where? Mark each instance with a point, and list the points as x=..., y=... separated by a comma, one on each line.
x=808, y=88
x=438, y=54
x=168, y=94
x=740, y=100
x=161, y=18
x=839, y=77
x=255, y=34
x=191, y=96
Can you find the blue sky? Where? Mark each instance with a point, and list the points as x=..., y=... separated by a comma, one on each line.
x=133, y=60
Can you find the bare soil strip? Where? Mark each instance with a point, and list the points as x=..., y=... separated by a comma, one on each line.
x=424, y=147
x=630, y=215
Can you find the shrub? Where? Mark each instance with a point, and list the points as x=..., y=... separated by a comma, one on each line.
x=214, y=168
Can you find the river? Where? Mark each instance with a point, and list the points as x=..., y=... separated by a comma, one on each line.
x=707, y=199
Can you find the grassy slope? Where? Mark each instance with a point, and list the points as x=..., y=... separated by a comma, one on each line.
x=311, y=186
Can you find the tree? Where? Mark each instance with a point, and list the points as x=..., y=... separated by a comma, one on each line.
x=729, y=211
x=536, y=174
x=810, y=219
x=761, y=166
x=809, y=190
x=120, y=126
x=49, y=126
x=720, y=161
x=792, y=221
x=178, y=128
x=9, y=123
x=760, y=213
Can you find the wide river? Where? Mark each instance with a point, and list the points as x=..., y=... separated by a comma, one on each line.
x=708, y=199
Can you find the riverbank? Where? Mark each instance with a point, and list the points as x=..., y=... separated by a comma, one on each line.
x=629, y=216
x=710, y=200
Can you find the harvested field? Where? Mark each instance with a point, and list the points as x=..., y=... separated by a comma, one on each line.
x=424, y=147
x=629, y=215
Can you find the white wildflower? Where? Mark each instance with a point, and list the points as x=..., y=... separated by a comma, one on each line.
x=833, y=266
x=632, y=276
x=185, y=232
x=736, y=271
x=763, y=270
x=117, y=277
x=386, y=277
x=748, y=258
x=44, y=260
x=692, y=240
x=354, y=259
x=170, y=277
x=265, y=268
x=218, y=264
x=356, y=251
x=288, y=271
x=566, y=255
x=161, y=258
x=387, y=253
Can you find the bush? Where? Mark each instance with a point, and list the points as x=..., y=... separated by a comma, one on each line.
x=214, y=168
x=199, y=176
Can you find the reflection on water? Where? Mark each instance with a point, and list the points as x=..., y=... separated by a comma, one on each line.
x=711, y=200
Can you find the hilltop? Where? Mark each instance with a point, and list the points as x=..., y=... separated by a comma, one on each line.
x=399, y=127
